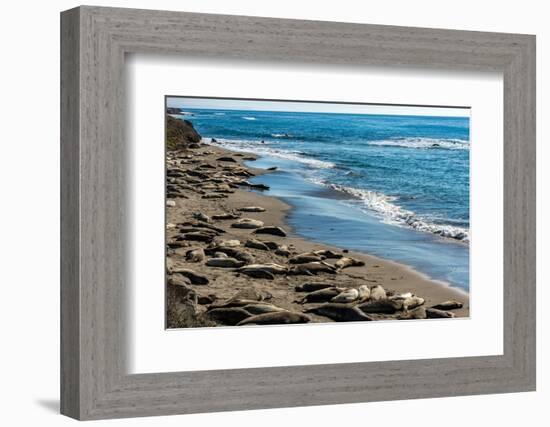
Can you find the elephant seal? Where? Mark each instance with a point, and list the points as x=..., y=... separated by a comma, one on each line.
x=270, y=267
x=195, y=255
x=348, y=262
x=350, y=295
x=276, y=318
x=248, y=223
x=322, y=295
x=259, y=273
x=448, y=305
x=275, y=231
x=282, y=250
x=328, y=254
x=406, y=301
x=271, y=245
x=256, y=244
x=416, y=314
x=233, y=243
x=377, y=293
x=195, y=278
x=385, y=306
x=434, y=313
x=313, y=286
x=228, y=315
x=201, y=217
x=305, y=258
x=340, y=312
x=225, y=216
x=224, y=263
x=260, y=308
x=232, y=252
x=313, y=268
x=252, y=209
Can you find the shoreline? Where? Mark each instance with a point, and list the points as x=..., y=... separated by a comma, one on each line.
x=224, y=283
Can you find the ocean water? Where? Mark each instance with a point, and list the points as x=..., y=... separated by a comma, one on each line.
x=393, y=186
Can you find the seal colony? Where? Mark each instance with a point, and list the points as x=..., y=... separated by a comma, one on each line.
x=233, y=261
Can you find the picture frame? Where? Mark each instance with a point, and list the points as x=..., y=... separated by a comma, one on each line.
x=94, y=42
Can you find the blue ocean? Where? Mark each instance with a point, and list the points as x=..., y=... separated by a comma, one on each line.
x=394, y=186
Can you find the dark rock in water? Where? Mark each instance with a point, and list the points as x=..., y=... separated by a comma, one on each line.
x=313, y=286
x=340, y=312
x=180, y=134
x=228, y=316
x=448, y=305
x=434, y=313
x=259, y=186
x=436, y=145
x=226, y=159
x=276, y=318
x=275, y=231
x=213, y=140
x=249, y=158
x=272, y=168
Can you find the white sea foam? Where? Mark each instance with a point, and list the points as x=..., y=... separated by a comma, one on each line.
x=425, y=143
x=249, y=118
x=281, y=135
x=391, y=213
x=267, y=150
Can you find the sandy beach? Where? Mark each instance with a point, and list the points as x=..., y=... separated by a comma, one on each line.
x=207, y=189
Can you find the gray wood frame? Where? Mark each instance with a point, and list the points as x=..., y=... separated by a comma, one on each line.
x=94, y=42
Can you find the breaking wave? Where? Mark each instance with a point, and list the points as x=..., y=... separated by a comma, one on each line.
x=265, y=149
x=391, y=213
x=425, y=143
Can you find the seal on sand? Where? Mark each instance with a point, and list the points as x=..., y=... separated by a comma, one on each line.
x=195, y=255
x=322, y=295
x=350, y=295
x=340, y=312
x=224, y=263
x=377, y=293
x=312, y=286
x=228, y=315
x=275, y=318
x=448, y=305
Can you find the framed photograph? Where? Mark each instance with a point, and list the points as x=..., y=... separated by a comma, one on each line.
x=262, y=213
